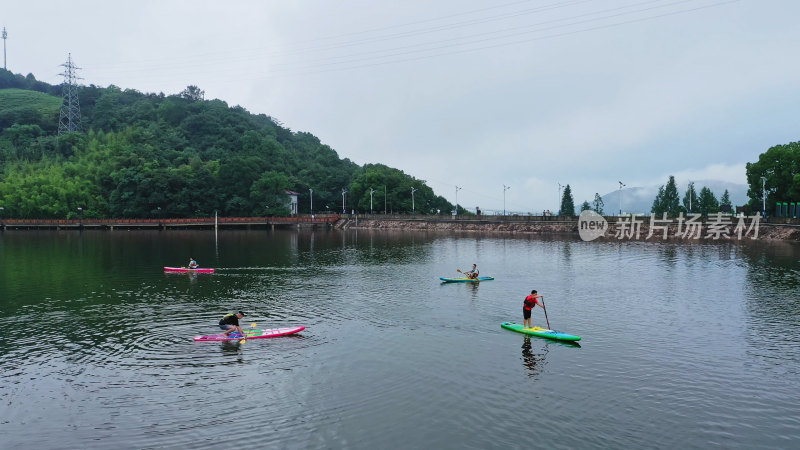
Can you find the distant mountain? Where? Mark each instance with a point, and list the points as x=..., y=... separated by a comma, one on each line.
x=639, y=199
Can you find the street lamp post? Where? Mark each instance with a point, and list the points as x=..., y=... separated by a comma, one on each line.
x=457, y=189
x=558, y=204
x=371, y=192
x=691, y=194
x=344, y=191
x=621, y=185
x=80, y=219
x=505, y=188
x=311, y=209
x=413, y=209
x=764, y=196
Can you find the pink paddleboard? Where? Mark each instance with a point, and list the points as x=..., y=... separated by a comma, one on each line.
x=252, y=334
x=186, y=269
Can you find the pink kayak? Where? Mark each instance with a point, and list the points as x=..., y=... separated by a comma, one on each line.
x=186, y=269
x=251, y=334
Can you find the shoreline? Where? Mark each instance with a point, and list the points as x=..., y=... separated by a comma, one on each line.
x=765, y=231
x=614, y=228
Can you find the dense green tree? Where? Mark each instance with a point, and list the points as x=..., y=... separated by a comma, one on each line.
x=780, y=166
x=585, y=206
x=667, y=199
x=151, y=155
x=192, y=93
x=268, y=193
x=707, y=203
x=658, y=202
x=598, y=204
x=725, y=199
x=391, y=190
x=567, y=203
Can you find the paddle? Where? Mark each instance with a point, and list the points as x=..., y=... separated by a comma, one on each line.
x=465, y=274
x=244, y=335
x=545, y=313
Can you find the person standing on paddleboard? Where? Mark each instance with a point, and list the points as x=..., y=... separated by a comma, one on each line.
x=230, y=323
x=527, y=306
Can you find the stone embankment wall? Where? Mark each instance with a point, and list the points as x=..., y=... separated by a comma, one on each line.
x=461, y=225
x=766, y=231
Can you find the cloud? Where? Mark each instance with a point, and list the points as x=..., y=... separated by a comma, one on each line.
x=694, y=94
x=732, y=173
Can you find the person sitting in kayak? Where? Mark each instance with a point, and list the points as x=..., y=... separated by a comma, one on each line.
x=230, y=323
x=473, y=273
x=192, y=263
x=528, y=305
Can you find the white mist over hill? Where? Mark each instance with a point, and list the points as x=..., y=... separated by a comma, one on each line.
x=639, y=199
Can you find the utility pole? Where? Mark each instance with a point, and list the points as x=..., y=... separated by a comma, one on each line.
x=621, y=185
x=505, y=188
x=412, y=200
x=457, y=189
x=344, y=191
x=5, y=36
x=311, y=191
x=371, y=192
x=560, y=200
x=70, y=119
x=764, y=196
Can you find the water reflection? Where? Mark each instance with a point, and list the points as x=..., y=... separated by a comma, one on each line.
x=772, y=304
x=473, y=289
x=669, y=255
x=192, y=276
x=232, y=348
x=533, y=362
x=566, y=251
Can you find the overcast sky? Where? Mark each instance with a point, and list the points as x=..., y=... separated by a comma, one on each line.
x=470, y=93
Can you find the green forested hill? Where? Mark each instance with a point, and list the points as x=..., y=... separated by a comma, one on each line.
x=30, y=107
x=155, y=155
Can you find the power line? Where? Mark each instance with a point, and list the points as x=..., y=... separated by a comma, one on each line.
x=433, y=49
x=312, y=69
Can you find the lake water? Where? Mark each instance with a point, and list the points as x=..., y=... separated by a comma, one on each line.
x=685, y=345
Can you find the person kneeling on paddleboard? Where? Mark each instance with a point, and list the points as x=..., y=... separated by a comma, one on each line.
x=529, y=303
x=192, y=263
x=230, y=323
x=473, y=273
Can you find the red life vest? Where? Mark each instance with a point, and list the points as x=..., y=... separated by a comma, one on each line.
x=530, y=302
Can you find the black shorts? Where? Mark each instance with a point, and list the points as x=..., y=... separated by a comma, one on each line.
x=526, y=313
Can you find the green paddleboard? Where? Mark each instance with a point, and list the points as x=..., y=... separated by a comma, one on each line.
x=541, y=332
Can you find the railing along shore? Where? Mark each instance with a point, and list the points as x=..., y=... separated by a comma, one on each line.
x=307, y=220
x=172, y=223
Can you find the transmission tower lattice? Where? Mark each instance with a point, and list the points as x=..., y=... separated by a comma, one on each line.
x=70, y=119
